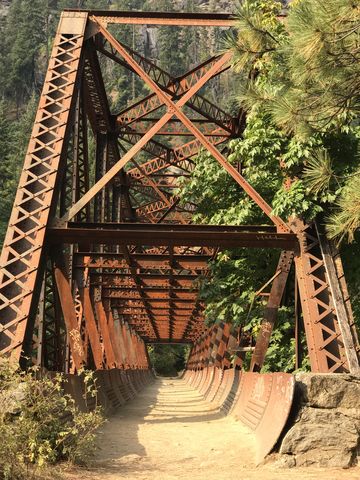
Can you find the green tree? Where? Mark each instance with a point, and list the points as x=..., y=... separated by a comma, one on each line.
x=168, y=360
x=305, y=75
x=25, y=42
x=14, y=138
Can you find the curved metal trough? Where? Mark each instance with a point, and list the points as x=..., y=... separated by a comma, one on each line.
x=115, y=388
x=262, y=402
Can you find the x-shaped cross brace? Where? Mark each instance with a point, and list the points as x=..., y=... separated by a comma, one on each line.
x=173, y=109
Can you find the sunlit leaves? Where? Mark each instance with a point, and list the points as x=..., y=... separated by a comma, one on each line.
x=345, y=221
x=295, y=201
x=319, y=172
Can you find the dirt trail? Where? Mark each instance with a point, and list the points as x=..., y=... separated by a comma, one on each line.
x=169, y=432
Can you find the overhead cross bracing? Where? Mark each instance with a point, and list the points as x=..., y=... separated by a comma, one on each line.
x=100, y=250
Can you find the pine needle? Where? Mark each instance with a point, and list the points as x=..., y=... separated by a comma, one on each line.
x=318, y=172
x=345, y=221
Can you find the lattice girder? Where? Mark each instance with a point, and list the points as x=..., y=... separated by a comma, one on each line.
x=23, y=246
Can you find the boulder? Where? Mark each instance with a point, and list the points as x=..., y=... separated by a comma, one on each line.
x=328, y=390
x=323, y=438
x=325, y=426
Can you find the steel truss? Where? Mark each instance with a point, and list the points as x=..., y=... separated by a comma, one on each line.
x=101, y=258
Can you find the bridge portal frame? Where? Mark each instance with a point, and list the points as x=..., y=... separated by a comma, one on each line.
x=51, y=194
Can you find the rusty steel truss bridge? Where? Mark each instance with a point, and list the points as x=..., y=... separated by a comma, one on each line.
x=100, y=255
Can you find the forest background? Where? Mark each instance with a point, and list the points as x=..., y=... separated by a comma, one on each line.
x=299, y=84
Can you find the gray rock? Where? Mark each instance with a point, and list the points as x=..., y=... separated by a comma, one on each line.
x=285, y=461
x=322, y=438
x=11, y=400
x=329, y=390
x=325, y=431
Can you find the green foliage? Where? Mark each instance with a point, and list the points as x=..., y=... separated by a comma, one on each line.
x=304, y=73
x=257, y=156
x=23, y=38
x=39, y=425
x=280, y=355
x=345, y=221
x=295, y=201
x=324, y=57
x=168, y=360
x=256, y=33
x=351, y=261
x=319, y=173
x=236, y=276
x=14, y=138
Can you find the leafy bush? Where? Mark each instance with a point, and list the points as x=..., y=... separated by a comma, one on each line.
x=40, y=425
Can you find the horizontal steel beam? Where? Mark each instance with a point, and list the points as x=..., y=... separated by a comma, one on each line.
x=150, y=261
x=150, y=285
x=117, y=302
x=181, y=312
x=164, y=18
x=153, y=289
x=150, y=341
x=162, y=319
x=182, y=235
x=151, y=294
x=141, y=275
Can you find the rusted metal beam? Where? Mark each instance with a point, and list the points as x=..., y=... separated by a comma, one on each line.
x=102, y=320
x=327, y=350
x=147, y=286
x=177, y=129
x=223, y=341
x=160, y=321
x=24, y=241
x=164, y=18
x=136, y=148
x=180, y=159
x=175, y=109
x=166, y=341
x=163, y=302
x=175, y=87
x=332, y=264
x=271, y=310
x=114, y=336
x=134, y=311
x=161, y=234
x=151, y=293
x=52, y=351
x=89, y=317
x=148, y=261
x=69, y=312
x=139, y=288
x=102, y=124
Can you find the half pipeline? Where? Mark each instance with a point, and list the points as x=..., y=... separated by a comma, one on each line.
x=262, y=402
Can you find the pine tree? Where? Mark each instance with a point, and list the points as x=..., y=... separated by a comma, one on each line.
x=25, y=36
x=304, y=72
x=14, y=138
x=171, y=52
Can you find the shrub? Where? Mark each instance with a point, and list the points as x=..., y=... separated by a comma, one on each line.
x=39, y=424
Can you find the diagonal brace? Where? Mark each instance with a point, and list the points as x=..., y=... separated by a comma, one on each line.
x=139, y=145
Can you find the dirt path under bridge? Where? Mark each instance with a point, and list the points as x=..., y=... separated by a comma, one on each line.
x=169, y=432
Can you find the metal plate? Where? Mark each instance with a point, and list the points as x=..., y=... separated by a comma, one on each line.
x=264, y=405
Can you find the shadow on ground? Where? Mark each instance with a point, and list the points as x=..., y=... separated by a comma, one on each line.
x=166, y=401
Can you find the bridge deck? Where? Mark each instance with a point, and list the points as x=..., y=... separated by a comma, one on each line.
x=169, y=432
